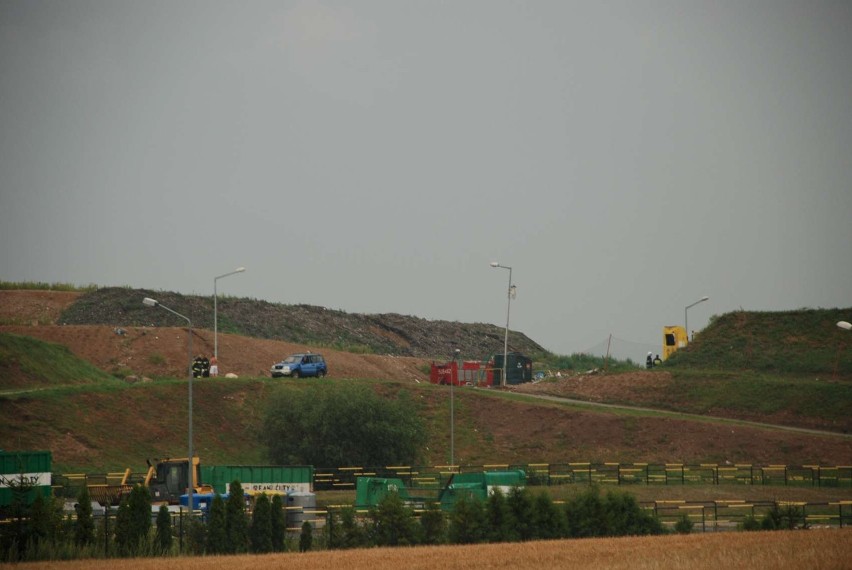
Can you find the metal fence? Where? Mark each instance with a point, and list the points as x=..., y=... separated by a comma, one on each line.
x=342, y=478
x=722, y=515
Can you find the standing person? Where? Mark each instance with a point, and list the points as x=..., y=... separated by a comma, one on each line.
x=649, y=362
x=197, y=367
x=657, y=360
x=205, y=367
x=214, y=367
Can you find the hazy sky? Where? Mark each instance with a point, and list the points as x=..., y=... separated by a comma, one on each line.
x=624, y=158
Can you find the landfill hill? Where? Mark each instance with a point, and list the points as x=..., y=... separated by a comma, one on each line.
x=388, y=333
x=52, y=398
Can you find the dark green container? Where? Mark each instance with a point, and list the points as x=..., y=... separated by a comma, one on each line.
x=518, y=368
x=28, y=468
x=257, y=478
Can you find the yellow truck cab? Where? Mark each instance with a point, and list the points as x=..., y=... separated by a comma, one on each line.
x=674, y=337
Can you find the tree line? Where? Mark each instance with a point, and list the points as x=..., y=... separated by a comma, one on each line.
x=41, y=531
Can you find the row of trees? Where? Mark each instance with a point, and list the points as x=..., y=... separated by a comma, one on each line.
x=518, y=516
x=41, y=531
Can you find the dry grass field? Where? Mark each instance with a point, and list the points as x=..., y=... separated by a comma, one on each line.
x=813, y=549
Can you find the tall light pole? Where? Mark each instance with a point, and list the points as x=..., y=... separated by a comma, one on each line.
x=216, y=313
x=149, y=302
x=847, y=326
x=452, y=410
x=508, y=308
x=685, y=322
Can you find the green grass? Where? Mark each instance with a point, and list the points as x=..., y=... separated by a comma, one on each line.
x=580, y=361
x=788, y=342
x=42, y=286
x=29, y=363
x=70, y=404
x=760, y=393
x=156, y=359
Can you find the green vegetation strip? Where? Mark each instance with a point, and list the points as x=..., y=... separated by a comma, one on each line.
x=623, y=410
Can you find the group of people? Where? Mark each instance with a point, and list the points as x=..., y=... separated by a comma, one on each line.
x=203, y=367
x=651, y=362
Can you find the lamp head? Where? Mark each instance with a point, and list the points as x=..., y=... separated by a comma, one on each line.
x=149, y=302
x=239, y=269
x=495, y=264
x=705, y=298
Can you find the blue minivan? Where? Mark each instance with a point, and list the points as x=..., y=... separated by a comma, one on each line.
x=297, y=365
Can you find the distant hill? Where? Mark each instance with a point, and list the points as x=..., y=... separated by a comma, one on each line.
x=102, y=399
x=388, y=333
x=803, y=341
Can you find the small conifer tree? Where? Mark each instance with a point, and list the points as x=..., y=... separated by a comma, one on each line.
x=278, y=523
x=306, y=538
x=261, y=526
x=236, y=524
x=84, y=530
x=164, y=530
x=217, y=537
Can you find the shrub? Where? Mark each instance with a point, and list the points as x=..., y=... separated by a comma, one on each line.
x=750, y=523
x=468, y=521
x=684, y=524
x=393, y=522
x=348, y=426
x=522, y=514
x=499, y=523
x=548, y=521
x=618, y=514
x=586, y=515
x=84, y=530
x=626, y=518
x=433, y=524
x=352, y=534
x=306, y=538
x=163, y=537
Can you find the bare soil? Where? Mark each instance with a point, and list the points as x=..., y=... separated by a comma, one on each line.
x=149, y=351
x=489, y=429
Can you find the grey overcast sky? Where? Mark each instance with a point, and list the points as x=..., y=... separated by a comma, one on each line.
x=624, y=158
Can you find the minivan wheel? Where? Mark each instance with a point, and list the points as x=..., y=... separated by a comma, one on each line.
x=320, y=373
x=295, y=374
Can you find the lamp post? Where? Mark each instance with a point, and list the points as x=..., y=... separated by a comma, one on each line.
x=215, y=311
x=452, y=410
x=685, y=322
x=847, y=326
x=148, y=302
x=509, y=292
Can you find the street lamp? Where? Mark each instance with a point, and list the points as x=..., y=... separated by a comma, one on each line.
x=149, y=302
x=215, y=312
x=452, y=410
x=510, y=292
x=685, y=322
x=845, y=325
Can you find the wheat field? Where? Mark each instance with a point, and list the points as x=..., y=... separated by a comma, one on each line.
x=824, y=549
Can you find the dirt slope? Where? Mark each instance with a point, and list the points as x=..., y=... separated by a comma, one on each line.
x=147, y=351
x=163, y=352
x=488, y=429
